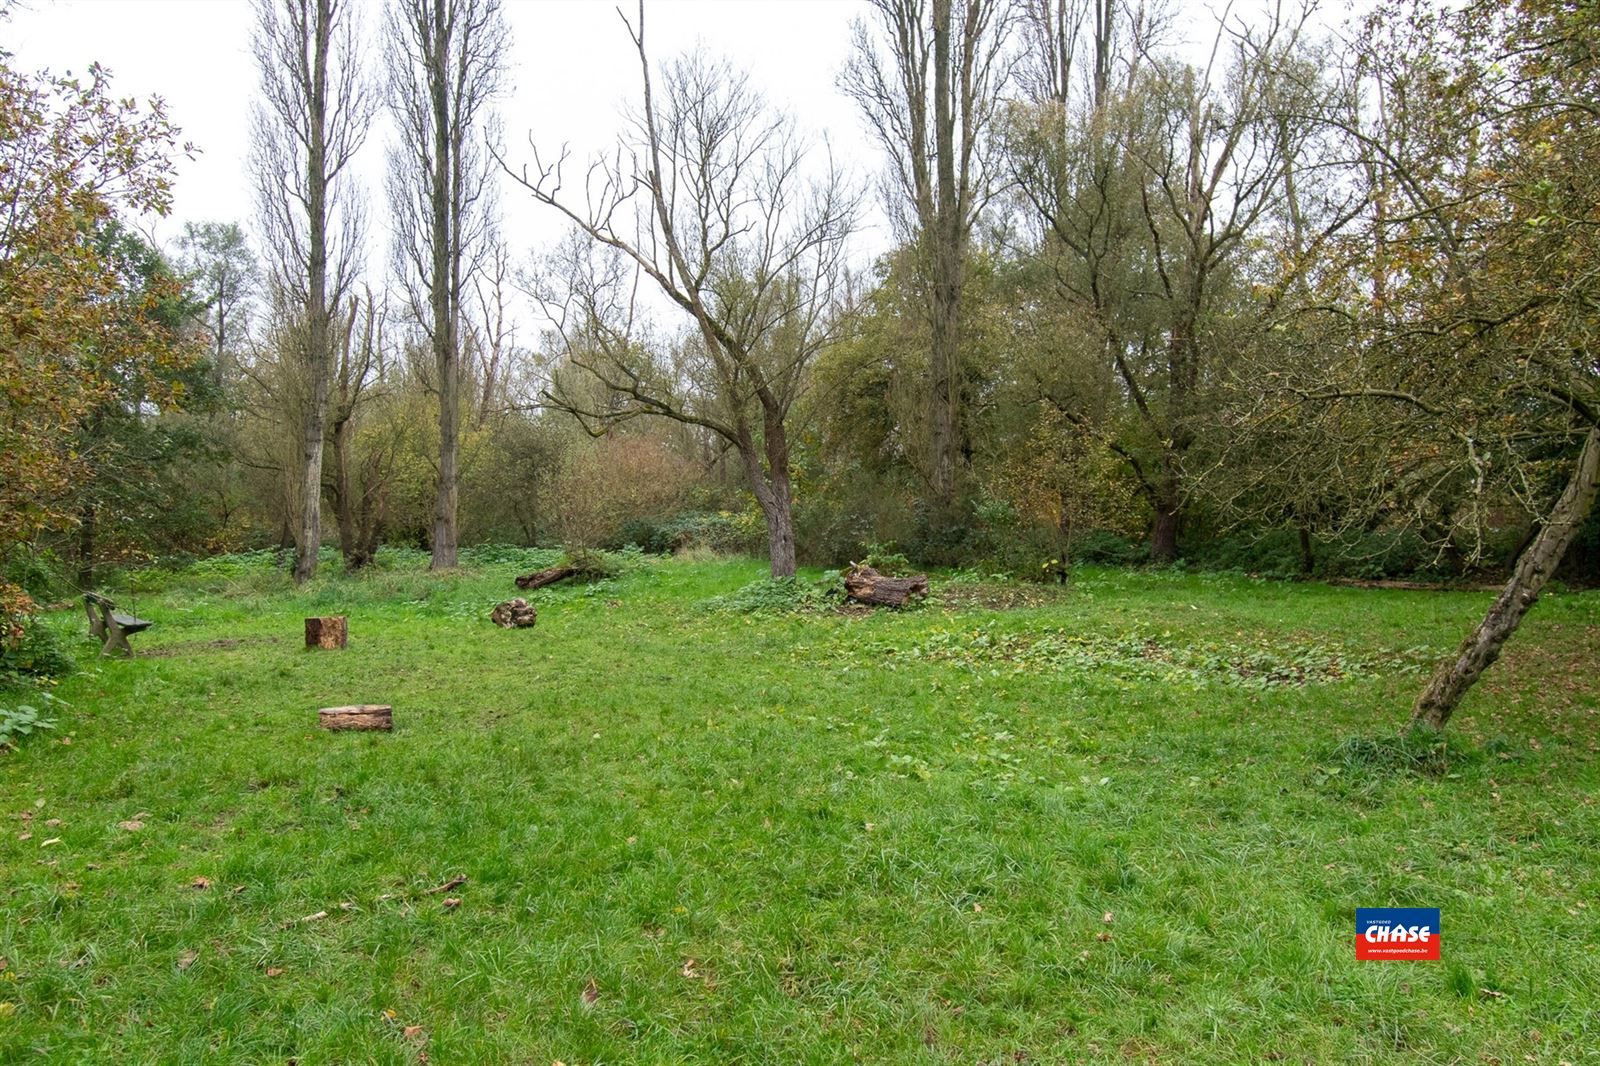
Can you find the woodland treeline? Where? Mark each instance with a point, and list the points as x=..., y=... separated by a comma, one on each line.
x=1252, y=290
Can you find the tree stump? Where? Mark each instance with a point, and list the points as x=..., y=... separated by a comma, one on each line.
x=865, y=585
x=357, y=716
x=514, y=614
x=331, y=632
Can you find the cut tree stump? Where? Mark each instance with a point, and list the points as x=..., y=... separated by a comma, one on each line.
x=865, y=585
x=514, y=614
x=331, y=632
x=357, y=716
x=540, y=578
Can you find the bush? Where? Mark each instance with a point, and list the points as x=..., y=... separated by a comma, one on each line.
x=723, y=532
x=32, y=650
x=783, y=594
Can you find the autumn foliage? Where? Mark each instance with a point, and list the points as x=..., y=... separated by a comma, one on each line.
x=72, y=335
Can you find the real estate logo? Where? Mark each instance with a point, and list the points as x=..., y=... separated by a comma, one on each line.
x=1397, y=934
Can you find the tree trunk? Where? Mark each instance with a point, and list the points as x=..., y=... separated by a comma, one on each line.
x=1308, y=560
x=945, y=263
x=1164, y=533
x=442, y=293
x=318, y=333
x=86, y=539
x=779, y=514
x=1482, y=646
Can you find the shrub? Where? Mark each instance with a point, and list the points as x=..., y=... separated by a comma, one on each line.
x=783, y=594
x=25, y=719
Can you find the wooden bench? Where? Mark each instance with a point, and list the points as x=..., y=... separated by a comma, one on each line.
x=107, y=625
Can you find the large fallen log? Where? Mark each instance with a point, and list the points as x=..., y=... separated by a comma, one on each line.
x=540, y=578
x=865, y=585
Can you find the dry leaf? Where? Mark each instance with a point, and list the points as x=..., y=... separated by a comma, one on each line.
x=132, y=825
x=1108, y=917
x=1102, y=937
x=452, y=902
x=52, y=840
x=977, y=908
x=186, y=960
x=389, y=1014
x=689, y=970
x=200, y=883
x=24, y=836
x=413, y=1032
x=274, y=971
x=591, y=993
x=52, y=822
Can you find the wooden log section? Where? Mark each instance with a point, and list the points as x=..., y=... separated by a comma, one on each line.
x=357, y=716
x=332, y=632
x=514, y=614
x=865, y=585
x=540, y=578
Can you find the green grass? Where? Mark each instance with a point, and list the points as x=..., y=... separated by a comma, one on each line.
x=1129, y=821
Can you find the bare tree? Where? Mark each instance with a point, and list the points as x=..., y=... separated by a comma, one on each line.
x=927, y=75
x=707, y=198
x=313, y=117
x=445, y=62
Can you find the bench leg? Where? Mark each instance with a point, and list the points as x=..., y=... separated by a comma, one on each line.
x=97, y=625
x=116, y=641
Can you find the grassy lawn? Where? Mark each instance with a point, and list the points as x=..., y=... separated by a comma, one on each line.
x=1126, y=821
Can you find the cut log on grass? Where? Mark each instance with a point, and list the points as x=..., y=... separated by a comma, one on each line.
x=514, y=614
x=330, y=632
x=358, y=716
x=865, y=585
x=540, y=578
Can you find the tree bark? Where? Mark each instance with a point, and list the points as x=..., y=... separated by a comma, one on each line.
x=446, y=247
x=1164, y=533
x=1533, y=570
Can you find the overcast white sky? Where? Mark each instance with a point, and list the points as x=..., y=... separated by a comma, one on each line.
x=572, y=69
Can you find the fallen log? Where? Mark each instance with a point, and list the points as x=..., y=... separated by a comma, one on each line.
x=357, y=716
x=865, y=585
x=540, y=578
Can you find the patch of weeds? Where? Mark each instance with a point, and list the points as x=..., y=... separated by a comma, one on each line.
x=1419, y=752
x=25, y=719
x=885, y=560
x=1136, y=655
x=783, y=595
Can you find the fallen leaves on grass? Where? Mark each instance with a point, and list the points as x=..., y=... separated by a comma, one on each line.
x=274, y=971
x=132, y=825
x=187, y=959
x=591, y=993
x=201, y=883
x=452, y=902
x=690, y=969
